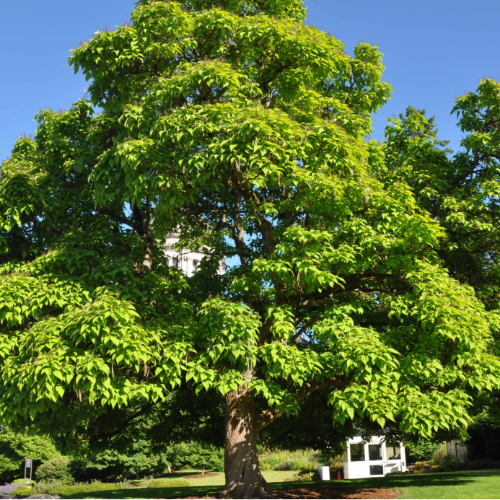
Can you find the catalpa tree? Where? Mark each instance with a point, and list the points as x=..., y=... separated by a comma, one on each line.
x=240, y=126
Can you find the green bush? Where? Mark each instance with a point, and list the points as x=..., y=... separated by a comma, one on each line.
x=20, y=481
x=112, y=465
x=438, y=455
x=23, y=491
x=452, y=462
x=289, y=460
x=422, y=450
x=304, y=475
x=45, y=487
x=195, y=455
x=57, y=469
x=172, y=483
x=336, y=463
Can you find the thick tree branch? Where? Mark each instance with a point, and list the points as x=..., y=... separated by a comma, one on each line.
x=266, y=417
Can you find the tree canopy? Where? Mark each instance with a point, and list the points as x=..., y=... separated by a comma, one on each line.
x=245, y=129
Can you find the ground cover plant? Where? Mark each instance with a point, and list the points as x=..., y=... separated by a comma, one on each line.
x=366, y=272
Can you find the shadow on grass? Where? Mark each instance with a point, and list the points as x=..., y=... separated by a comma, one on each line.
x=394, y=482
x=180, y=475
x=429, y=479
x=187, y=491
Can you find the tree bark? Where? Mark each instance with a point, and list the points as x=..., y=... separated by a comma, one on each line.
x=241, y=463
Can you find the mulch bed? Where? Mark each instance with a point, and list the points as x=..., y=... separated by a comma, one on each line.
x=338, y=493
x=195, y=476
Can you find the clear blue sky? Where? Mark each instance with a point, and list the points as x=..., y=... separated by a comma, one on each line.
x=434, y=51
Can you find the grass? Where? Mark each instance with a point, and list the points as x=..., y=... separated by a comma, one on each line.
x=465, y=484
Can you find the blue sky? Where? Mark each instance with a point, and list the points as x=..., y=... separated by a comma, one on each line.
x=433, y=52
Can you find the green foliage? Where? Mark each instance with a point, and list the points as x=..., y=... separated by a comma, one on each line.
x=57, y=488
x=172, y=483
x=15, y=448
x=24, y=491
x=452, y=462
x=366, y=272
x=438, y=455
x=305, y=475
x=206, y=458
x=194, y=455
x=112, y=464
x=20, y=481
x=422, y=450
x=289, y=460
x=80, y=489
x=56, y=469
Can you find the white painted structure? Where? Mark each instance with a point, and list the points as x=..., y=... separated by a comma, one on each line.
x=373, y=459
x=324, y=472
x=186, y=260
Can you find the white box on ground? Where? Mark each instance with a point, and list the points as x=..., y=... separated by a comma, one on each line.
x=324, y=472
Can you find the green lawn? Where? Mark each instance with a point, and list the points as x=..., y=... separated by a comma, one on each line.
x=465, y=484
x=469, y=484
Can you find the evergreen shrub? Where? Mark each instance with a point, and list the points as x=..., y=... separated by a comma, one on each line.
x=23, y=491
x=57, y=469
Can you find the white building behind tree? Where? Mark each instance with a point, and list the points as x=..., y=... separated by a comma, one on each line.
x=186, y=260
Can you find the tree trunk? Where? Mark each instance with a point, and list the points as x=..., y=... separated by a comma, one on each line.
x=241, y=463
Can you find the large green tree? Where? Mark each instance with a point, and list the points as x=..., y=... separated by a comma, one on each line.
x=461, y=191
x=240, y=126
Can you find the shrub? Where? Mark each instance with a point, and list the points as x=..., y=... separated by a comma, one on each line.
x=44, y=488
x=110, y=465
x=23, y=491
x=451, y=462
x=284, y=466
x=195, y=455
x=57, y=469
x=419, y=465
x=172, y=483
x=21, y=481
x=422, y=450
x=304, y=475
x=289, y=460
x=336, y=464
x=438, y=455
x=78, y=489
x=57, y=488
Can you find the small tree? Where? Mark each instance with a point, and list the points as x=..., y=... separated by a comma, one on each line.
x=237, y=124
x=204, y=458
